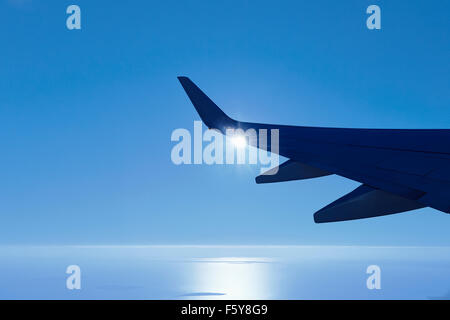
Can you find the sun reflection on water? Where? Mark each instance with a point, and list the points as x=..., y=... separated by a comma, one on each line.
x=231, y=278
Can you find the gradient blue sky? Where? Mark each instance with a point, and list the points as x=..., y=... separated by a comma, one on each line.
x=86, y=116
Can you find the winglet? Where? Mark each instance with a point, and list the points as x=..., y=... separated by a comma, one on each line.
x=209, y=112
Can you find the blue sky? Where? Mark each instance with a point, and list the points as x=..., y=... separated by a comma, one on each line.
x=86, y=116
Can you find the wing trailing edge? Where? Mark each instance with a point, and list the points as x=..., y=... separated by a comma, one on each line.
x=365, y=202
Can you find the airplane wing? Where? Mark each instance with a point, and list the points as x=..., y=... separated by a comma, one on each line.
x=400, y=170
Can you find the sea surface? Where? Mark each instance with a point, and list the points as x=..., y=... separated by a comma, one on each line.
x=224, y=272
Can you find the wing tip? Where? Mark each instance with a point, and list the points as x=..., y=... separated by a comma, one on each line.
x=209, y=112
x=184, y=81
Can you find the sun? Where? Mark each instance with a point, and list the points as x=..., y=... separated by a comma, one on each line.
x=239, y=141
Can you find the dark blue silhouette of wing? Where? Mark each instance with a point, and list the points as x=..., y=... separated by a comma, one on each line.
x=400, y=170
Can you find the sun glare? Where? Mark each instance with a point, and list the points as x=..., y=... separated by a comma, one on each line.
x=239, y=141
x=232, y=278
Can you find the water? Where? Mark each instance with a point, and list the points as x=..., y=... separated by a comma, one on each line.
x=224, y=272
